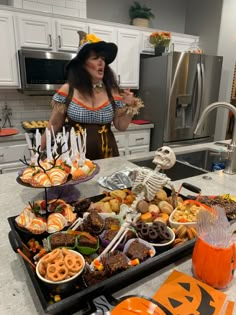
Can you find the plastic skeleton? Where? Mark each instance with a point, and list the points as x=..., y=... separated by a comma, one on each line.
x=147, y=183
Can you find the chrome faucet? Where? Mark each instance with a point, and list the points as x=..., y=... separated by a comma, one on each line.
x=230, y=167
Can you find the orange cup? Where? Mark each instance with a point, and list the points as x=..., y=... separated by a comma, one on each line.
x=214, y=265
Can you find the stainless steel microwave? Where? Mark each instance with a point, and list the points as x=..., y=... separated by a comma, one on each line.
x=42, y=72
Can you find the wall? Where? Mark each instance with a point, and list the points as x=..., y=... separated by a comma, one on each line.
x=198, y=22
x=169, y=14
x=227, y=48
x=217, y=36
x=217, y=31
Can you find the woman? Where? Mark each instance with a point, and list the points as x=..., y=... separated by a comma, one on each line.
x=91, y=99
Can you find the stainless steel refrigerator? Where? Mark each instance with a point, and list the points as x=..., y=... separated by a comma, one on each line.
x=175, y=88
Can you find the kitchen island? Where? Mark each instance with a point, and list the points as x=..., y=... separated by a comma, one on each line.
x=17, y=294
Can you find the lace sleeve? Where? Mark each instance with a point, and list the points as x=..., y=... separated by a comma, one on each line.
x=60, y=107
x=59, y=102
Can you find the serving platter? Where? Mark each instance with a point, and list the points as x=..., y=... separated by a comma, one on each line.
x=81, y=297
x=32, y=129
x=69, y=181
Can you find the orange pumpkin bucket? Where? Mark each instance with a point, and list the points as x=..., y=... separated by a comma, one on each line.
x=214, y=265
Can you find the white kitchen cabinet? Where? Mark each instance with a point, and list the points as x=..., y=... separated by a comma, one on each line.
x=139, y=141
x=8, y=55
x=126, y=64
x=47, y=33
x=139, y=137
x=67, y=36
x=122, y=151
x=106, y=33
x=139, y=149
x=13, y=153
x=179, y=42
x=133, y=141
x=128, y=42
x=121, y=139
x=34, y=31
x=183, y=42
x=146, y=47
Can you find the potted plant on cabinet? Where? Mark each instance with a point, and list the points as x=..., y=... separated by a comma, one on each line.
x=160, y=41
x=140, y=14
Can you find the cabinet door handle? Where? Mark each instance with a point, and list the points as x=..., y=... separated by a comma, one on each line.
x=138, y=139
x=59, y=41
x=50, y=40
x=118, y=79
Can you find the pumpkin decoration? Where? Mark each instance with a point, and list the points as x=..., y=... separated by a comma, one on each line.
x=184, y=295
x=207, y=261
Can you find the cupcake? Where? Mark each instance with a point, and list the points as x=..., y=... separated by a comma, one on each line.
x=56, y=222
x=37, y=226
x=26, y=216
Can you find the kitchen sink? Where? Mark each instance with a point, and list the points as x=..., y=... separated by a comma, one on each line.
x=180, y=170
x=187, y=164
x=202, y=159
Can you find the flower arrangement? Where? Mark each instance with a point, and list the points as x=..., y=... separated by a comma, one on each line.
x=160, y=39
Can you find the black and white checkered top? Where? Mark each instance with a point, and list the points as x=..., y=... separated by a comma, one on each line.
x=81, y=113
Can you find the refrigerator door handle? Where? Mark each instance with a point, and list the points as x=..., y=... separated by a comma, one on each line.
x=203, y=81
x=177, y=70
x=199, y=96
x=176, y=73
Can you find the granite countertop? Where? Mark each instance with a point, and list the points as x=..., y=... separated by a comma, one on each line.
x=17, y=294
x=21, y=135
x=17, y=137
x=135, y=127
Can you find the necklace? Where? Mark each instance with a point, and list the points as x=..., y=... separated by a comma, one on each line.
x=98, y=85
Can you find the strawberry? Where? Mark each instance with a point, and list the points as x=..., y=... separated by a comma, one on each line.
x=43, y=205
x=66, y=168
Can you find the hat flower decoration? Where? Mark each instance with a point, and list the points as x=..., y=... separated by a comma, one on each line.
x=89, y=38
x=89, y=42
x=160, y=39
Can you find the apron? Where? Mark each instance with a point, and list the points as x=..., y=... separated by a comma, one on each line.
x=101, y=143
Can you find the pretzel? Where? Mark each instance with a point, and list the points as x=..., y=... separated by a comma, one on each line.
x=51, y=256
x=59, y=265
x=57, y=271
x=73, y=263
x=42, y=269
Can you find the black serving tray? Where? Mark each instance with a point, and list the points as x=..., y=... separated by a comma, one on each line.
x=81, y=299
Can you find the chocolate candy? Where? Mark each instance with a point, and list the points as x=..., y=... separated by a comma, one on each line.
x=153, y=233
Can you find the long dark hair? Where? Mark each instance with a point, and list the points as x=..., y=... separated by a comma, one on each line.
x=79, y=78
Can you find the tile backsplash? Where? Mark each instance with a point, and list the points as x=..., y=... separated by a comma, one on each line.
x=24, y=107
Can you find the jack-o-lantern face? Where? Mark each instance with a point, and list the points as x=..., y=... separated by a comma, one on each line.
x=194, y=300
x=181, y=294
x=190, y=298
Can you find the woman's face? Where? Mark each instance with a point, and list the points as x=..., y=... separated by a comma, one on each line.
x=95, y=66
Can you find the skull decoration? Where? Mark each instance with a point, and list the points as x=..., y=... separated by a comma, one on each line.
x=164, y=158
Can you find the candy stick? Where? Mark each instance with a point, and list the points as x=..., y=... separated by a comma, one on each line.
x=37, y=143
x=48, y=145
x=54, y=149
x=74, y=150
x=80, y=147
x=84, y=144
x=64, y=145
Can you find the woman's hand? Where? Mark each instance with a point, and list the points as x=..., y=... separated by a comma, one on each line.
x=128, y=97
